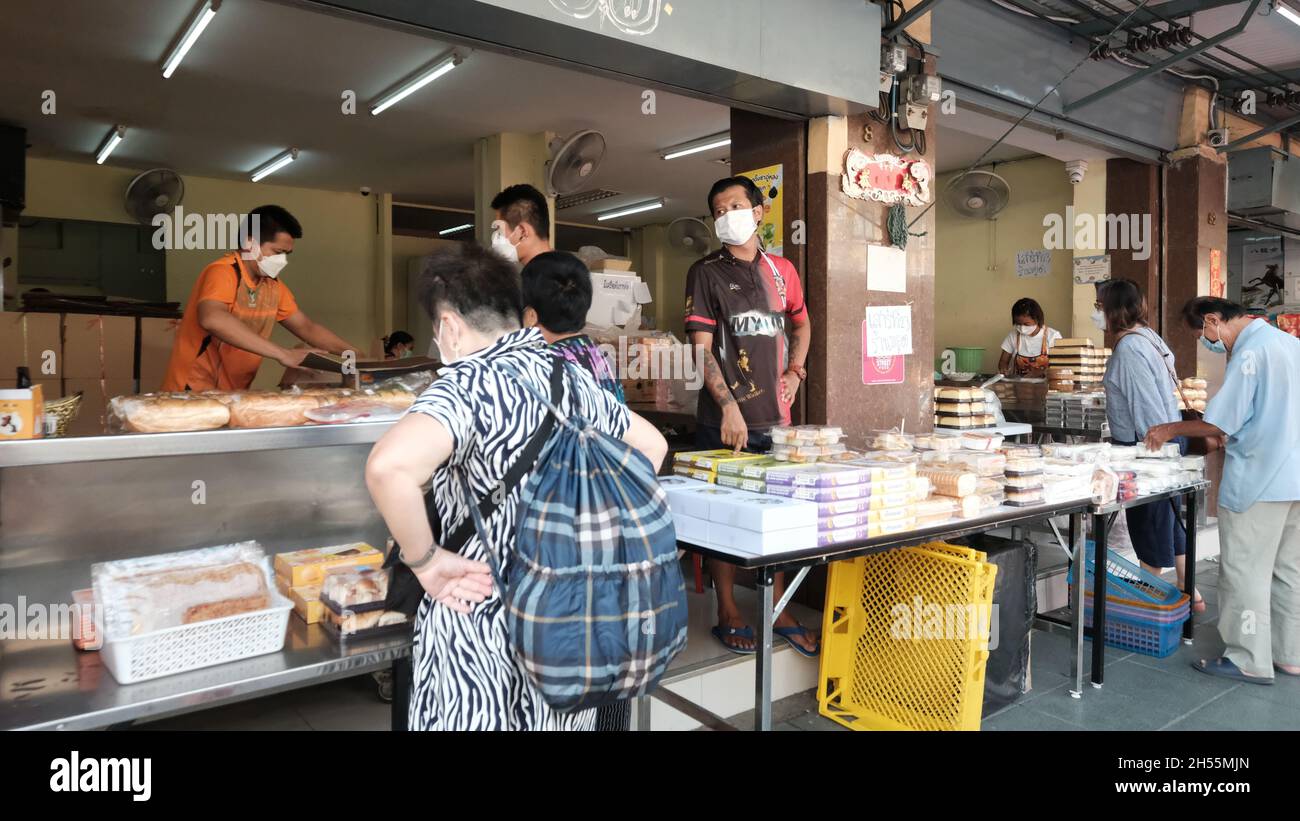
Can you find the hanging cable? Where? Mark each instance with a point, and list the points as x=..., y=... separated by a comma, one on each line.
x=1034, y=108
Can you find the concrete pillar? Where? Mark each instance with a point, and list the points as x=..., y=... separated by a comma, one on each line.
x=1133, y=188
x=1089, y=198
x=1196, y=230
x=506, y=159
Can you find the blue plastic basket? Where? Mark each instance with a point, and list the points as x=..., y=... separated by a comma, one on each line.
x=1127, y=581
x=1129, y=628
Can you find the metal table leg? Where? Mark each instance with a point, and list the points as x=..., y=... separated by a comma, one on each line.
x=642, y=714
x=1077, y=547
x=402, y=674
x=1100, y=555
x=763, y=654
x=1190, y=578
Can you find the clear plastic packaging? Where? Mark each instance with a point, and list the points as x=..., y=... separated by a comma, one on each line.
x=1196, y=463
x=1122, y=453
x=166, y=413
x=939, y=507
x=1066, y=467
x=354, y=626
x=806, y=435
x=989, y=485
x=1105, y=485
x=1022, y=451
x=950, y=481
x=819, y=475
x=1169, y=450
x=358, y=590
x=885, y=471
x=1024, y=466
x=154, y=593
x=883, y=501
x=1024, y=498
x=938, y=442
x=1084, y=453
x=353, y=411
x=981, y=463
x=921, y=488
x=1023, y=482
x=890, y=440
x=981, y=441
x=875, y=457
x=821, y=494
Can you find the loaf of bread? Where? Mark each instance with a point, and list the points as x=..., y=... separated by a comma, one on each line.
x=393, y=397
x=949, y=482
x=167, y=414
x=158, y=592
x=271, y=410
x=349, y=623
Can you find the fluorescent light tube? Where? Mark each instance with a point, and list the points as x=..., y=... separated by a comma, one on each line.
x=631, y=209
x=206, y=12
x=110, y=142
x=417, y=82
x=695, y=147
x=1288, y=13
x=280, y=161
x=457, y=229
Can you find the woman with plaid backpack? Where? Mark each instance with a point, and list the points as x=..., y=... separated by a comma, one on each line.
x=466, y=433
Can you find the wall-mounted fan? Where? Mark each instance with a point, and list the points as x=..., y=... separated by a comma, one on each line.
x=978, y=194
x=573, y=163
x=690, y=234
x=154, y=192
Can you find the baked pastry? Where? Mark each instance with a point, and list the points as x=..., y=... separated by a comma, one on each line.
x=949, y=482
x=350, y=587
x=393, y=397
x=271, y=410
x=165, y=414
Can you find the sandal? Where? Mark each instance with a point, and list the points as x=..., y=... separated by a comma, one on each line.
x=1224, y=668
x=723, y=633
x=1285, y=672
x=788, y=633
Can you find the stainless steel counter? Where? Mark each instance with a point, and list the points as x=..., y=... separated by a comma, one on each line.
x=68, y=503
x=144, y=445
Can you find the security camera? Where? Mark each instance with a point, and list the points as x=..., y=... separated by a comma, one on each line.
x=365, y=190
x=1217, y=137
x=1075, y=169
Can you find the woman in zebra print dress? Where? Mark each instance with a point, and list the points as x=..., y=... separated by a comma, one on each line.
x=475, y=419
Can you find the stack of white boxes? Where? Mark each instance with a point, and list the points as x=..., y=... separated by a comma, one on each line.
x=739, y=520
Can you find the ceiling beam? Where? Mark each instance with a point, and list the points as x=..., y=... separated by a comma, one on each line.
x=1169, y=9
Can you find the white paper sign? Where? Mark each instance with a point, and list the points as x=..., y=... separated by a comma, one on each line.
x=886, y=268
x=1033, y=263
x=1091, y=269
x=889, y=330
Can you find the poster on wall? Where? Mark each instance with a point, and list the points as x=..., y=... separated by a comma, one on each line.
x=888, y=330
x=1218, y=285
x=879, y=370
x=886, y=268
x=771, y=182
x=1091, y=269
x=1263, y=283
x=1033, y=263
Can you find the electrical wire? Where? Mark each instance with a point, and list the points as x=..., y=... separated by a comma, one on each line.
x=1036, y=105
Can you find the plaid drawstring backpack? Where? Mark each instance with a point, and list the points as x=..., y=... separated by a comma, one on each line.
x=594, y=596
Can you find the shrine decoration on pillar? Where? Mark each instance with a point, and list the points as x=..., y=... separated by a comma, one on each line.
x=886, y=178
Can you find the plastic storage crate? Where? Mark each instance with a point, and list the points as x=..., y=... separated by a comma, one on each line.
x=891, y=662
x=1127, y=581
x=1144, y=613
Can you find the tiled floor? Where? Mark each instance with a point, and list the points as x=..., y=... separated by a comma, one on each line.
x=1141, y=692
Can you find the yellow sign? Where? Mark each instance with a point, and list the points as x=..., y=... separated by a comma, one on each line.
x=771, y=182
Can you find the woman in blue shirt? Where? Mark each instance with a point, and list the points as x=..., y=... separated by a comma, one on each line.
x=1140, y=382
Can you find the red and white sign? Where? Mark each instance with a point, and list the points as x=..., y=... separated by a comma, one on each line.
x=880, y=370
x=885, y=178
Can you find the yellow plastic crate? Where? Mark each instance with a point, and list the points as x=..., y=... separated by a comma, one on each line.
x=890, y=660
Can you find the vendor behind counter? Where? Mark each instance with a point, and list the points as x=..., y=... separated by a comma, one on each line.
x=1024, y=351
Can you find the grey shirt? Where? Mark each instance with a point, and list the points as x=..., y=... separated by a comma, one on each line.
x=1140, y=386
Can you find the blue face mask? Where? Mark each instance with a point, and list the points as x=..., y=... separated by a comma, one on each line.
x=1216, y=346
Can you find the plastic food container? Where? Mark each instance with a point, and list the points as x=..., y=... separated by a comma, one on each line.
x=981, y=441
x=886, y=470
x=890, y=440
x=821, y=494
x=1024, y=498
x=1168, y=450
x=938, y=442
x=1024, y=466
x=353, y=626
x=1023, y=482
x=357, y=590
x=981, y=463
x=1066, y=467
x=1022, y=451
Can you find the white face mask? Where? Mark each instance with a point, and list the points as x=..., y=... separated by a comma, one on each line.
x=272, y=265
x=503, y=246
x=1099, y=319
x=1027, y=330
x=736, y=227
x=437, y=350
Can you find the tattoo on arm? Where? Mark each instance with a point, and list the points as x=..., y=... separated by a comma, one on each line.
x=713, y=378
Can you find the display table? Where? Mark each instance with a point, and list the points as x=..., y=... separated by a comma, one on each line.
x=769, y=564
x=1101, y=519
x=1007, y=429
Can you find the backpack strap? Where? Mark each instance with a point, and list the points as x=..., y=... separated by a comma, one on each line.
x=522, y=466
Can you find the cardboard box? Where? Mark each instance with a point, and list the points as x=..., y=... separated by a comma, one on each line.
x=36, y=334
x=306, y=599
x=86, y=336
x=308, y=567
x=157, y=337
x=611, y=264
x=92, y=417
x=22, y=413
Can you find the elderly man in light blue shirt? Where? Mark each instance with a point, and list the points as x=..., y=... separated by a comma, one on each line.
x=1258, y=411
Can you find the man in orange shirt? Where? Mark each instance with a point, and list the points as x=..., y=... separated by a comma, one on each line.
x=225, y=332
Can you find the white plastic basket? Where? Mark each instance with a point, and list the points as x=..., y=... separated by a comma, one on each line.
x=202, y=644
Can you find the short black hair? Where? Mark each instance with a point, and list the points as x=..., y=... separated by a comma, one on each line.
x=524, y=203
x=1122, y=304
x=397, y=338
x=755, y=195
x=1030, y=308
x=1196, y=309
x=475, y=282
x=271, y=221
x=558, y=287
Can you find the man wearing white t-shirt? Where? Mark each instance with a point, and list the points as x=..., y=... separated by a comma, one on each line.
x=1024, y=351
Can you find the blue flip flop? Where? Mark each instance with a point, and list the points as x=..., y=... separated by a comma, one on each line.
x=1224, y=668
x=788, y=633
x=745, y=632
